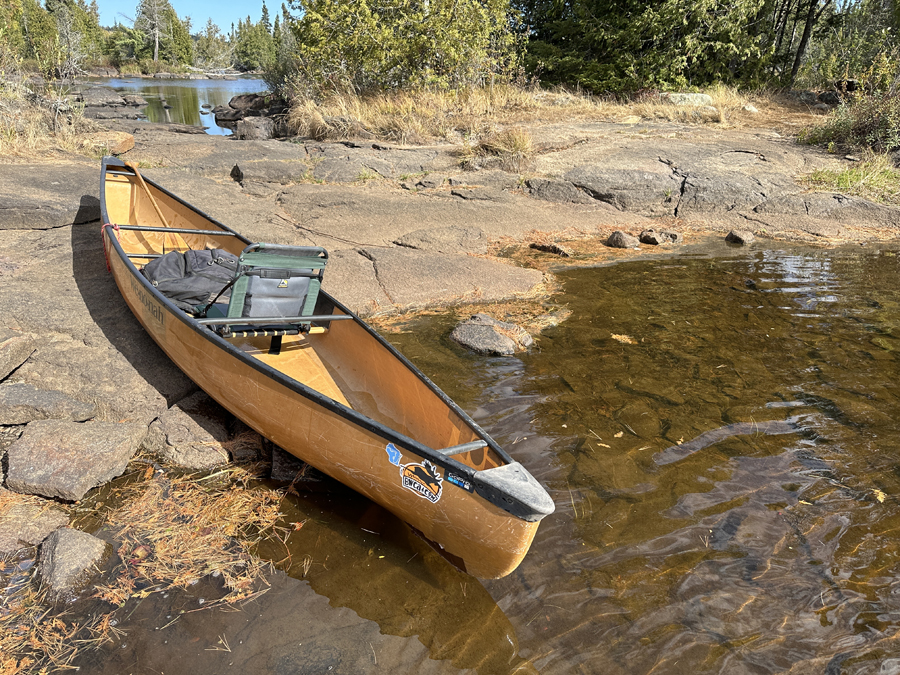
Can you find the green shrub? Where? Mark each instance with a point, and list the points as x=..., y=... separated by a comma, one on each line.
x=866, y=121
x=362, y=46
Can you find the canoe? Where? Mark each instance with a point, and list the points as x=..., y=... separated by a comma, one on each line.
x=320, y=383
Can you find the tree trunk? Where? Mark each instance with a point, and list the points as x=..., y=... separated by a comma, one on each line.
x=811, y=18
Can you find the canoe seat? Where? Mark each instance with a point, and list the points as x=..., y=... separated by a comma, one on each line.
x=274, y=281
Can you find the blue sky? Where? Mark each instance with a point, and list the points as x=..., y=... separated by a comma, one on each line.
x=223, y=12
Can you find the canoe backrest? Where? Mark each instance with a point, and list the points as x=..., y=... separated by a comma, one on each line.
x=277, y=281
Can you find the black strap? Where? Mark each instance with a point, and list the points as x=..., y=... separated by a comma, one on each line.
x=202, y=312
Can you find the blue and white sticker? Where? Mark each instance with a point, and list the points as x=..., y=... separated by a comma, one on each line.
x=422, y=478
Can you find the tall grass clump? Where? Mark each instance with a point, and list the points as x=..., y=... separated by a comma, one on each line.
x=869, y=121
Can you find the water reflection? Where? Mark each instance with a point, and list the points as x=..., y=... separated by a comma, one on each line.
x=183, y=101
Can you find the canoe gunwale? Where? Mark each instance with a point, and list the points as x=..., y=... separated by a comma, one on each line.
x=507, y=501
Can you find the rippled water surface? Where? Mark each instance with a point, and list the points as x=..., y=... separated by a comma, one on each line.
x=720, y=437
x=770, y=543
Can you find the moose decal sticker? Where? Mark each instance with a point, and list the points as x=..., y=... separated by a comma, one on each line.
x=422, y=478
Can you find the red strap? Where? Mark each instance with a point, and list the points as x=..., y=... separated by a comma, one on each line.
x=105, y=254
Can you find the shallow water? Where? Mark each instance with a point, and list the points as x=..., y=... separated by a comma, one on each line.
x=186, y=98
x=719, y=436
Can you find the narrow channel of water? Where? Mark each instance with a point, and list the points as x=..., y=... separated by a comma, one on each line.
x=183, y=101
x=720, y=437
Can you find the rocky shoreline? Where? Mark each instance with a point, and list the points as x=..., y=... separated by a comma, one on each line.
x=83, y=389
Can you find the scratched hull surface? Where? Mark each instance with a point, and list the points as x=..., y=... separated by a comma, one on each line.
x=344, y=401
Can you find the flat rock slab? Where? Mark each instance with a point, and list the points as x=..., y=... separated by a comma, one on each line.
x=100, y=96
x=27, y=524
x=128, y=386
x=559, y=191
x=21, y=403
x=350, y=277
x=413, y=278
x=193, y=433
x=446, y=240
x=271, y=170
x=351, y=162
x=69, y=558
x=15, y=348
x=38, y=197
x=61, y=459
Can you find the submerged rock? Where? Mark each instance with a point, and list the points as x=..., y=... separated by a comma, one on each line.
x=619, y=239
x=655, y=238
x=486, y=335
x=69, y=558
x=552, y=247
x=56, y=458
x=742, y=237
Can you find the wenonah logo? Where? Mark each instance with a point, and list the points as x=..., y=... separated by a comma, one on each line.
x=422, y=478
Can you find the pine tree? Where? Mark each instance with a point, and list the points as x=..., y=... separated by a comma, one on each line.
x=265, y=18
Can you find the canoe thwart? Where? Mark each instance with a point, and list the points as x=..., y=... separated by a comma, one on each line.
x=177, y=230
x=463, y=447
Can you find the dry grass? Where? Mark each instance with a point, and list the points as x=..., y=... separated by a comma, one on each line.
x=511, y=149
x=474, y=115
x=173, y=531
x=874, y=177
x=38, y=124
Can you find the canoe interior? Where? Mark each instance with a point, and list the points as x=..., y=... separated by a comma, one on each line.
x=346, y=363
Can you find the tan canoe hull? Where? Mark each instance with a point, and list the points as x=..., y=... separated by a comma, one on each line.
x=309, y=400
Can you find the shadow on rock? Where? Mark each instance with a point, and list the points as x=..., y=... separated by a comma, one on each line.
x=113, y=317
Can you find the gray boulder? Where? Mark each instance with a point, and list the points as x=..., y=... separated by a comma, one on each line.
x=21, y=403
x=28, y=525
x=55, y=458
x=69, y=558
x=255, y=129
x=654, y=238
x=249, y=102
x=446, y=240
x=192, y=433
x=619, y=239
x=742, y=237
x=485, y=335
